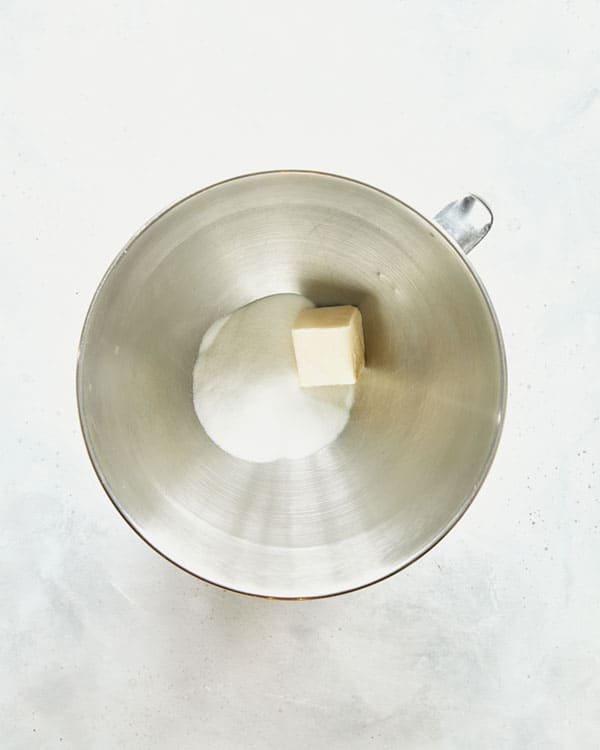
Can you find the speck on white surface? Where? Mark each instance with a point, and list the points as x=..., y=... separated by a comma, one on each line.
x=109, y=112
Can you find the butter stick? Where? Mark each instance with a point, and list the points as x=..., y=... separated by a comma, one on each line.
x=329, y=345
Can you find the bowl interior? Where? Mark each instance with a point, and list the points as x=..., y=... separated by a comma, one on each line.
x=428, y=406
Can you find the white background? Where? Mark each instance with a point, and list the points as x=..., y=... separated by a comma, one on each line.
x=109, y=112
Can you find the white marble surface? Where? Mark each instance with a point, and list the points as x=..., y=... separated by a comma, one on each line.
x=109, y=112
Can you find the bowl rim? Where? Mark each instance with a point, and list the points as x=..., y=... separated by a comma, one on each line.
x=502, y=401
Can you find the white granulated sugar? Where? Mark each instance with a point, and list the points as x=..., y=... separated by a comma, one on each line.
x=246, y=390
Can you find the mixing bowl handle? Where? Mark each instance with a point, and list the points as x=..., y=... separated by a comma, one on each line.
x=466, y=221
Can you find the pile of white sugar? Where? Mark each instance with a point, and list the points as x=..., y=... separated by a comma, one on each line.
x=246, y=390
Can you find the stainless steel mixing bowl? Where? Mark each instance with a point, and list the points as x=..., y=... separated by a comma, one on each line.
x=428, y=409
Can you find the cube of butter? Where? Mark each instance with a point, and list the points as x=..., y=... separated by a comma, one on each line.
x=329, y=345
